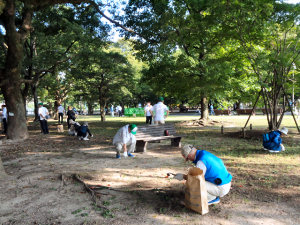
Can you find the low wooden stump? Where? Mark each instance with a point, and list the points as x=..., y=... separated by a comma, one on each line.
x=60, y=128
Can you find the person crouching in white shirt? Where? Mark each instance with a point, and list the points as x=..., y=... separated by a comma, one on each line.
x=125, y=140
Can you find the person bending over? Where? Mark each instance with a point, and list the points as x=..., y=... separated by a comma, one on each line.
x=217, y=178
x=83, y=132
x=125, y=140
x=272, y=141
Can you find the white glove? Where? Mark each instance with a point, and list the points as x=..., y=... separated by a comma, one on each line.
x=125, y=154
x=178, y=176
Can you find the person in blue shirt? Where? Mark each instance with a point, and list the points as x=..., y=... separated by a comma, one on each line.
x=218, y=179
x=212, y=112
x=272, y=141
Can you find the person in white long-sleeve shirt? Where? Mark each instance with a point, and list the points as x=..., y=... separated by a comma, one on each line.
x=43, y=113
x=61, y=112
x=148, y=114
x=158, y=111
x=125, y=140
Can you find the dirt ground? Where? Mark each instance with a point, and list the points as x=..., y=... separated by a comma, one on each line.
x=42, y=189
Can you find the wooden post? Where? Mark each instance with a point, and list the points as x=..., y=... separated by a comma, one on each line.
x=250, y=126
x=222, y=129
x=243, y=133
x=253, y=108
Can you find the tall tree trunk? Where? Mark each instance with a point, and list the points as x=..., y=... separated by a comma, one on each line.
x=17, y=127
x=102, y=110
x=36, y=102
x=56, y=104
x=90, y=108
x=10, y=76
x=204, y=108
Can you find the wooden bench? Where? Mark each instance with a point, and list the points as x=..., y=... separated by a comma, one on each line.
x=222, y=112
x=150, y=133
x=245, y=112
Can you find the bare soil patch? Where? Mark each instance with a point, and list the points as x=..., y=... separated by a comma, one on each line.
x=41, y=188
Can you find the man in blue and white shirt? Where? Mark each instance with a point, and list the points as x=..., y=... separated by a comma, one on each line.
x=218, y=179
x=272, y=141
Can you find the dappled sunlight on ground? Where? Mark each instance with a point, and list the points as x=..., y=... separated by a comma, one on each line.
x=42, y=189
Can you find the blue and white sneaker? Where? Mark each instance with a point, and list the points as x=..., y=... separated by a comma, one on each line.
x=274, y=151
x=215, y=201
x=118, y=156
x=130, y=155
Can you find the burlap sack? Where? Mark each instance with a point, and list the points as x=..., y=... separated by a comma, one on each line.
x=195, y=191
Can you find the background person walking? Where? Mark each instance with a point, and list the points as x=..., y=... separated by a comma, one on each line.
x=61, y=112
x=44, y=114
x=148, y=114
x=4, y=118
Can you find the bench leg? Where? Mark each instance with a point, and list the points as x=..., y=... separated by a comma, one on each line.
x=141, y=146
x=176, y=142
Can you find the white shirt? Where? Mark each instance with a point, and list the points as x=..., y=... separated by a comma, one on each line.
x=44, y=112
x=147, y=108
x=159, y=109
x=119, y=108
x=123, y=136
x=60, y=109
x=4, y=113
x=201, y=166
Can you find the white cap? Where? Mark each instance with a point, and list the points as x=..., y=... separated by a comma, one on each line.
x=284, y=130
x=186, y=150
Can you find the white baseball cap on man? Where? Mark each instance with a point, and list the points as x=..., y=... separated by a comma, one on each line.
x=186, y=150
x=284, y=130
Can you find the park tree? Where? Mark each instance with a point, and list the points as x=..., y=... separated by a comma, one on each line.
x=103, y=72
x=197, y=28
x=271, y=43
x=136, y=91
x=16, y=18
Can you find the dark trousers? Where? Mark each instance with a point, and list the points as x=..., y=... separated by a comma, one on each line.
x=82, y=134
x=44, y=126
x=60, y=118
x=149, y=119
x=4, y=122
x=68, y=119
x=120, y=113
